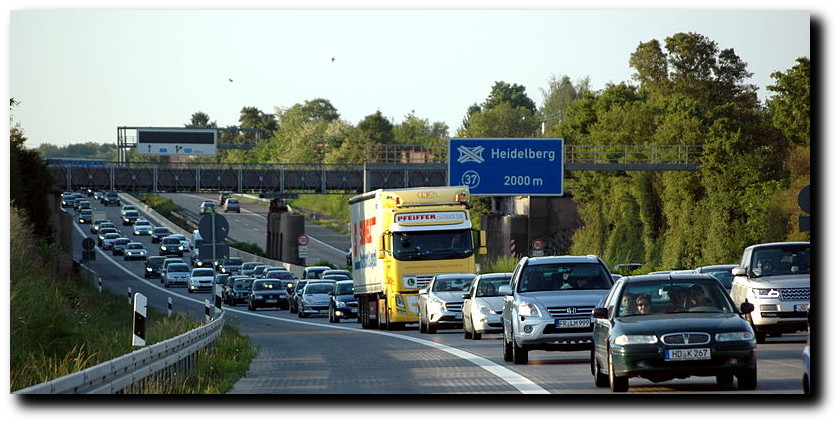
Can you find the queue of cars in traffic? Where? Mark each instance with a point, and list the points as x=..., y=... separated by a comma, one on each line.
x=660, y=326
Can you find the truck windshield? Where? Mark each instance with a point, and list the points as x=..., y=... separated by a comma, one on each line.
x=426, y=245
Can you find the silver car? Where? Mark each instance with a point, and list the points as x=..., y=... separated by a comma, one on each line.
x=549, y=303
x=315, y=299
x=483, y=305
x=201, y=279
x=176, y=273
x=135, y=251
x=441, y=302
x=142, y=228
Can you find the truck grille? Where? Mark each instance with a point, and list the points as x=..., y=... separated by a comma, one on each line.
x=423, y=280
x=803, y=293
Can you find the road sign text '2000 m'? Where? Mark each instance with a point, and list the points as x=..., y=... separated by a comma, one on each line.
x=507, y=166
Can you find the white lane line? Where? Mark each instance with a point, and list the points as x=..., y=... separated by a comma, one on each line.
x=521, y=383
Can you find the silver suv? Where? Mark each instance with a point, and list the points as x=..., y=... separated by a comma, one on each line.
x=549, y=303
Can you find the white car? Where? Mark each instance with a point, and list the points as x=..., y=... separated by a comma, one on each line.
x=441, y=302
x=142, y=228
x=127, y=208
x=108, y=240
x=483, y=305
x=176, y=273
x=201, y=279
x=135, y=251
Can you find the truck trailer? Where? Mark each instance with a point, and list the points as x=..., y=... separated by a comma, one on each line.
x=401, y=239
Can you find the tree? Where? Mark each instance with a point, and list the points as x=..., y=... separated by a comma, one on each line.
x=320, y=110
x=790, y=108
x=556, y=99
x=29, y=180
x=507, y=112
x=200, y=120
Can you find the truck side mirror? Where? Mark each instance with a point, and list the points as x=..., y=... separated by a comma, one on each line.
x=504, y=291
x=424, y=291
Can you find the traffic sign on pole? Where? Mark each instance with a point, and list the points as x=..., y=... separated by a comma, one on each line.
x=303, y=240
x=507, y=166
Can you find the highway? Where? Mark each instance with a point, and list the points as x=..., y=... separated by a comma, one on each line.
x=311, y=355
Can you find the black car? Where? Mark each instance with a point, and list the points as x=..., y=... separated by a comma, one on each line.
x=119, y=245
x=171, y=246
x=206, y=263
x=231, y=266
x=666, y=326
x=111, y=198
x=130, y=217
x=342, y=303
x=154, y=266
x=267, y=292
x=158, y=234
x=237, y=290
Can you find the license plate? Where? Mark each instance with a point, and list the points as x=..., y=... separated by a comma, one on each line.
x=354, y=310
x=271, y=301
x=572, y=323
x=459, y=316
x=697, y=354
x=800, y=308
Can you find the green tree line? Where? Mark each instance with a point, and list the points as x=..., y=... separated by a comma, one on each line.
x=685, y=90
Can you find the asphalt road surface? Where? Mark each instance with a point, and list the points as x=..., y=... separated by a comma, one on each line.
x=310, y=355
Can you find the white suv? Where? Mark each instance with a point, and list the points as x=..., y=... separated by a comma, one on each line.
x=549, y=303
x=776, y=278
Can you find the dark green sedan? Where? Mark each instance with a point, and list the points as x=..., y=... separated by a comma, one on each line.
x=666, y=326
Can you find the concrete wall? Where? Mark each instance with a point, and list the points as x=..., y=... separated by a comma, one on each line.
x=525, y=218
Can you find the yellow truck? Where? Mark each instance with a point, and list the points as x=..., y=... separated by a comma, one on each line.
x=401, y=239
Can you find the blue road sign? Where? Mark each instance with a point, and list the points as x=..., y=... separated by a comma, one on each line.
x=507, y=166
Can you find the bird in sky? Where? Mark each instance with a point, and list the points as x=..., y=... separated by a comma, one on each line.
x=230, y=79
x=333, y=59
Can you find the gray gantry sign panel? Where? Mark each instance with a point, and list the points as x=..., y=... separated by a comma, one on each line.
x=176, y=141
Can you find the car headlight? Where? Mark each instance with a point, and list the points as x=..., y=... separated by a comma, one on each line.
x=528, y=309
x=163, y=248
x=180, y=247
x=223, y=270
x=199, y=263
x=734, y=336
x=766, y=293
x=435, y=305
x=340, y=304
x=148, y=269
x=483, y=309
x=631, y=339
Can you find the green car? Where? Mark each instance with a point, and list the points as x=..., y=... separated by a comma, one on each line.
x=666, y=326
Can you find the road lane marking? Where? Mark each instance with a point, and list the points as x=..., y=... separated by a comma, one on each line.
x=521, y=383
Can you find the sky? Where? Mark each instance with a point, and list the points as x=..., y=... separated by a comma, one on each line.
x=81, y=74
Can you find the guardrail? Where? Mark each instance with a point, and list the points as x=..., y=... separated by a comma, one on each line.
x=159, y=361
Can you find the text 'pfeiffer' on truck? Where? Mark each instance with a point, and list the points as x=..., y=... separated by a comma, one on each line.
x=400, y=239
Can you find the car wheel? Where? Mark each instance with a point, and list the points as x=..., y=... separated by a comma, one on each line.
x=617, y=384
x=601, y=379
x=475, y=334
x=251, y=306
x=760, y=337
x=506, y=347
x=332, y=316
x=166, y=284
x=520, y=353
x=748, y=380
x=189, y=290
x=431, y=327
x=724, y=379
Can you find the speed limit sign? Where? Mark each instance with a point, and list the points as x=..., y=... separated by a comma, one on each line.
x=303, y=240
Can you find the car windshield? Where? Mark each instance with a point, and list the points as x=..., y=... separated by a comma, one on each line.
x=112, y=236
x=142, y=223
x=488, y=287
x=232, y=201
x=233, y=261
x=318, y=289
x=134, y=246
x=420, y=246
x=158, y=260
x=178, y=268
x=566, y=276
x=452, y=284
x=280, y=275
x=171, y=240
x=781, y=260
x=672, y=297
x=725, y=277
x=161, y=231
x=343, y=289
x=202, y=273
x=315, y=273
x=132, y=214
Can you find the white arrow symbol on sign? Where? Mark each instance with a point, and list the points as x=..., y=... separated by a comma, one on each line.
x=470, y=154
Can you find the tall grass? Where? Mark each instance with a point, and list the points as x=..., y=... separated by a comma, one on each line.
x=60, y=325
x=500, y=264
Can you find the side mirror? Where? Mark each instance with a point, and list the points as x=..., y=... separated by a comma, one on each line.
x=600, y=313
x=739, y=272
x=504, y=291
x=466, y=296
x=747, y=308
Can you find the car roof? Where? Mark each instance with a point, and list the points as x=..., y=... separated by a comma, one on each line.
x=496, y=275
x=667, y=277
x=563, y=260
